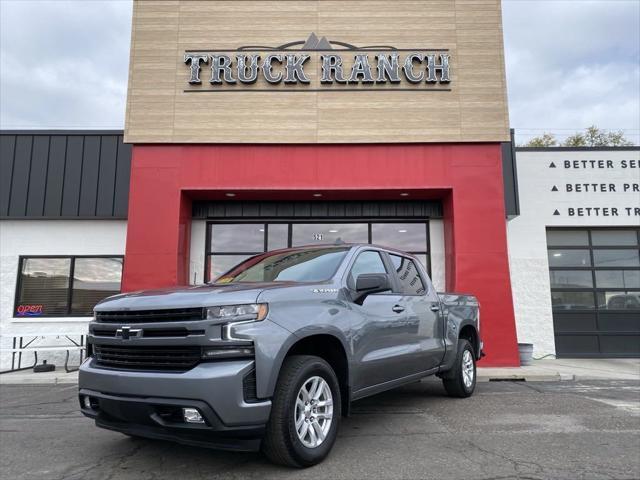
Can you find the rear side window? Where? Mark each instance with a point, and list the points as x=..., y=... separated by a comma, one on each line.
x=367, y=262
x=410, y=281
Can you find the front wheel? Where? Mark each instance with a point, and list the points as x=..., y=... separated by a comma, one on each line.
x=461, y=380
x=305, y=413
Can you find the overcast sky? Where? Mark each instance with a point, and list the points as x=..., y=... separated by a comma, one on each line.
x=570, y=64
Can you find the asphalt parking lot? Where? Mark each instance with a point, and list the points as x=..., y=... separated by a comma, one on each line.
x=556, y=430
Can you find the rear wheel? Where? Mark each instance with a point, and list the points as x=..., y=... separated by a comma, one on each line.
x=461, y=380
x=305, y=413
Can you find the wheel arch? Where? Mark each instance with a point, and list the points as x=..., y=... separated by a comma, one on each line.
x=328, y=346
x=470, y=333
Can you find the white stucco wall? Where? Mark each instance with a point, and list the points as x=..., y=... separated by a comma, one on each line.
x=527, y=233
x=436, y=229
x=196, y=253
x=49, y=237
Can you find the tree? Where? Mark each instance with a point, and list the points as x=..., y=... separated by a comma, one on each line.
x=596, y=137
x=544, y=141
x=591, y=137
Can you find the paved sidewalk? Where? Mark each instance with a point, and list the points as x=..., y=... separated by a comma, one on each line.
x=567, y=369
x=547, y=370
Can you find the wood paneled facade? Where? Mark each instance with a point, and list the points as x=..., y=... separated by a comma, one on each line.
x=161, y=107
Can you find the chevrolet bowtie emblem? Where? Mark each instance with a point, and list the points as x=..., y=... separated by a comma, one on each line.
x=127, y=332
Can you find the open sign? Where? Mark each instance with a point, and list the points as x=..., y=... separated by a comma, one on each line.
x=29, y=310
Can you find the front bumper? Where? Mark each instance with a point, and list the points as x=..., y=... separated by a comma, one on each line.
x=160, y=418
x=132, y=401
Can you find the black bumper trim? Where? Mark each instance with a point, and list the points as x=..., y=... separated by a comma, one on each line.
x=138, y=416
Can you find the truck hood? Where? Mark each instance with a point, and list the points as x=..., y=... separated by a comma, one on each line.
x=186, y=297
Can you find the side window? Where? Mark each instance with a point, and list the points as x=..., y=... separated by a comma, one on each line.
x=367, y=262
x=409, y=276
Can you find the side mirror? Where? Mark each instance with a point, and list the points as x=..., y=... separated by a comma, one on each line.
x=369, y=283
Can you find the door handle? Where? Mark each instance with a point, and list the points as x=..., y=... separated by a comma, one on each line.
x=435, y=308
x=398, y=308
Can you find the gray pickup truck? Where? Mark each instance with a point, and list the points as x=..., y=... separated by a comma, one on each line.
x=273, y=352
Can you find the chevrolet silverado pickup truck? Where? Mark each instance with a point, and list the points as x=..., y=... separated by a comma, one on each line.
x=272, y=353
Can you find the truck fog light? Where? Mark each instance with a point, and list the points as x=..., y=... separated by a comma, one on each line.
x=192, y=415
x=86, y=400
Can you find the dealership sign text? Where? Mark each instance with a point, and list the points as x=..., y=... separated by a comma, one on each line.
x=289, y=68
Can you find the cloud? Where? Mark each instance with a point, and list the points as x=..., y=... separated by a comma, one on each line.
x=570, y=64
x=64, y=63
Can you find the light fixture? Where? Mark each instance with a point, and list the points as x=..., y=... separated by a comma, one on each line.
x=261, y=230
x=192, y=415
x=557, y=254
x=404, y=194
x=402, y=231
x=230, y=194
x=333, y=231
x=317, y=195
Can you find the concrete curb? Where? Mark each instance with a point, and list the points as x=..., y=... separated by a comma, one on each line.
x=39, y=379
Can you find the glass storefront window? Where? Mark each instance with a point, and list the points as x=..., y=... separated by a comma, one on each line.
x=615, y=269
x=424, y=260
x=219, y=264
x=614, y=237
x=573, y=238
x=618, y=278
x=569, y=258
x=572, y=300
x=410, y=237
x=571, y=279
x=616, y=258
x=618, y=300
x=237, y=237
x=93, y=280
x=278, y=236
x=231, y=243
x=45, y=288
x=328, y=233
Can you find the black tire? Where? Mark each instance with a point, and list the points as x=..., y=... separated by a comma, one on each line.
x=281, y=443
x=454, y=382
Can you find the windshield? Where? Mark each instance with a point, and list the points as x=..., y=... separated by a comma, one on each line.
x=313, y=265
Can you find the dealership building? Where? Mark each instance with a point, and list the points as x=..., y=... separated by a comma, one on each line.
x=313, y=122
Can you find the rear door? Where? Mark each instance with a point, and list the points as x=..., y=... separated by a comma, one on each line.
x=422, y=307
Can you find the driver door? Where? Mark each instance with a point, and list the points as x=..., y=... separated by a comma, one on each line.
x=378, y=328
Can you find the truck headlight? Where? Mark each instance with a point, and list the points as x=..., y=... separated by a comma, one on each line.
x=238, y=313
x=235, y=314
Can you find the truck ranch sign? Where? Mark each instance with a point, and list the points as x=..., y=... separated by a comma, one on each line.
x=368, y=66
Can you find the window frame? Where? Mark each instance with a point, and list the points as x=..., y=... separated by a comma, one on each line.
x=425, y=285
x=72, y=258
x=595, y=290
x=381, y=253
x=369, y=221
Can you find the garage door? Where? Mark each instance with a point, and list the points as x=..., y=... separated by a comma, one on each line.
x=595, y=291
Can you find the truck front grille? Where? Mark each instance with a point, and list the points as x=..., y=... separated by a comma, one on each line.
x=111, y=332
x=174, y=358
x=150, y=316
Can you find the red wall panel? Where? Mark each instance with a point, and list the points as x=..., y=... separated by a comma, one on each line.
x=466, y=177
